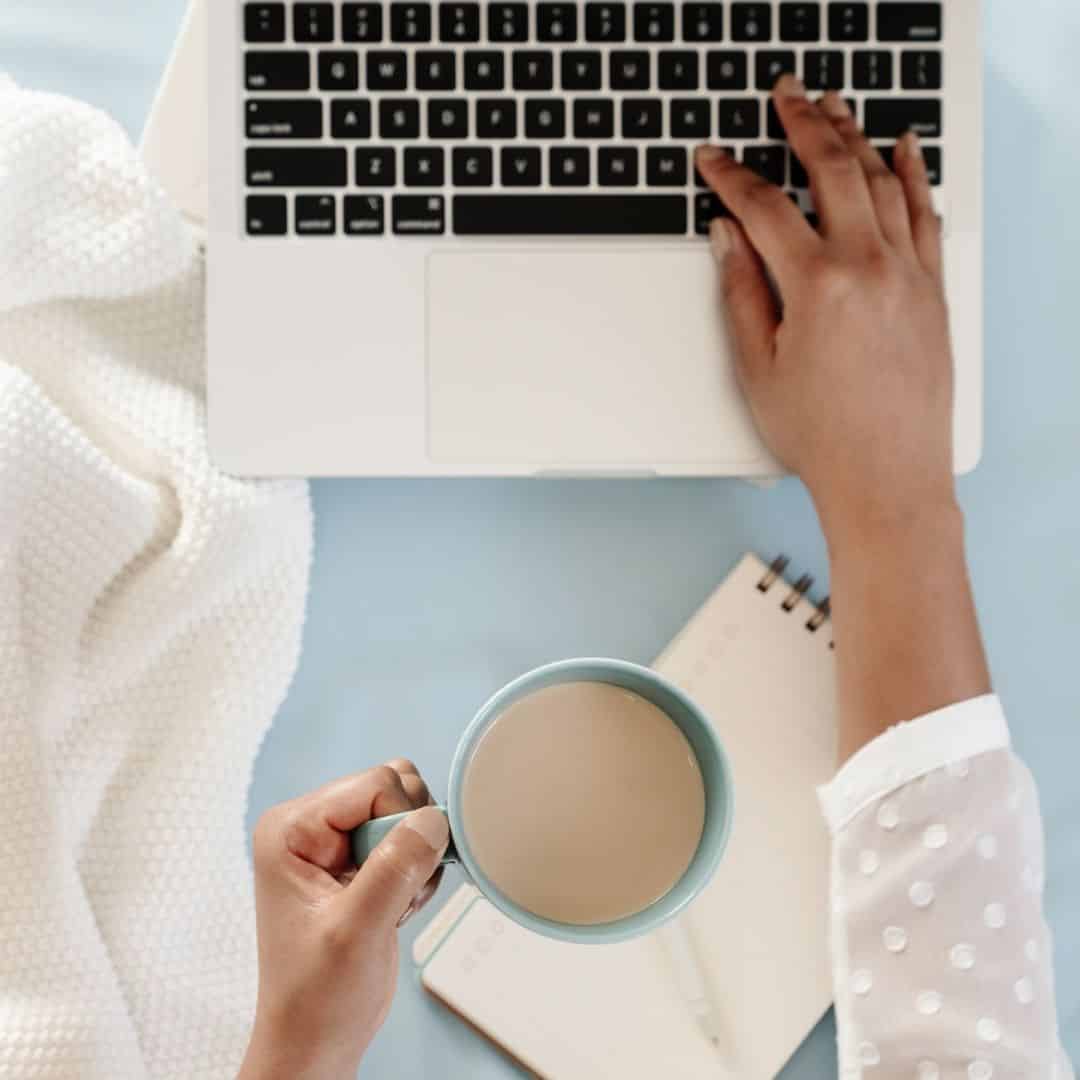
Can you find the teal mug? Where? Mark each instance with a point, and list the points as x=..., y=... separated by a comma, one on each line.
x=703, y=740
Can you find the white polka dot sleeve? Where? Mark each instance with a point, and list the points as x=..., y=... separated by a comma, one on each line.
x=941, y=955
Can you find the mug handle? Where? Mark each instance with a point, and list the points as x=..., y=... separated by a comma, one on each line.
x=364, y=839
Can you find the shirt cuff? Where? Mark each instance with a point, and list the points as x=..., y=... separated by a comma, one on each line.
x=910, y=750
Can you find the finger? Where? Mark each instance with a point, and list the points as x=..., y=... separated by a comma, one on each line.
x=397, y=871
x=403, y=766
x=773, y=223
x=925, y=224
x=416, y=790
x=422, y=897
x=837, y=182
x=886, y=191
x=319, y=824
x=751, y=307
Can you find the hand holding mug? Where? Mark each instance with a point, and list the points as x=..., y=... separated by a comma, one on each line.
x=328, y=947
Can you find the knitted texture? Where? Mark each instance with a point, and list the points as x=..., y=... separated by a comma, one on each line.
x=150, y=621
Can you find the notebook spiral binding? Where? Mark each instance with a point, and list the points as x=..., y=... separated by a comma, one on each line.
x=796, y=593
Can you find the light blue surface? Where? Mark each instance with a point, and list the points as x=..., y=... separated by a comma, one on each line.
x=427, y=596
x=704, y=743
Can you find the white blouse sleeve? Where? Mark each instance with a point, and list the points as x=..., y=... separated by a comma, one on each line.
x=941, y=955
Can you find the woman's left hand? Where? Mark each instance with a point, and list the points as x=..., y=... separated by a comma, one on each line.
x=328, y=948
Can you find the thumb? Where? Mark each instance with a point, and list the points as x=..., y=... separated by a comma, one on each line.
x=398, y=869
x=751, y=306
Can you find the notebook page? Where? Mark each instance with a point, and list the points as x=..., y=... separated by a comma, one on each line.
x=768, y=683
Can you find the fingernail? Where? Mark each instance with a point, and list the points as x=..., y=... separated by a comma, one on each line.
x=835, y=105
x=430, y=823
x=709, y=153
x=719, y=239
x=913, y=145
x=409, y=912
x=790, y=86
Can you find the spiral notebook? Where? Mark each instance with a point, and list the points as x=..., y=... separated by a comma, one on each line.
x=758, y=657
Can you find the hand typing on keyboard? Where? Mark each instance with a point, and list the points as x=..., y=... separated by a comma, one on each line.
x=847, y=365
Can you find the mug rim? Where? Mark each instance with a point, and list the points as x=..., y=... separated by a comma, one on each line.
x=693, y=879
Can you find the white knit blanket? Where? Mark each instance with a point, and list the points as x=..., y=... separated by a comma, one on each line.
x=150, y=617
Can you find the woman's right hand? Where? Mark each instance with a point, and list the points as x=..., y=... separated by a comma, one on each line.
x=850, y=380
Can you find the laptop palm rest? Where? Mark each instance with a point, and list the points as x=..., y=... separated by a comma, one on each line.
x=559, y=357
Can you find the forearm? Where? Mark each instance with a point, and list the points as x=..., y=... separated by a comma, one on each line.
x=907, y=637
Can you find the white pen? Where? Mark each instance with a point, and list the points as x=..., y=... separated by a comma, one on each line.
x=690, y=978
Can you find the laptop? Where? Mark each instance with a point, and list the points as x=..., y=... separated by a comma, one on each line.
x=459, y=239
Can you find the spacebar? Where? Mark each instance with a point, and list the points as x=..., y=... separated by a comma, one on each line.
x=569, y=215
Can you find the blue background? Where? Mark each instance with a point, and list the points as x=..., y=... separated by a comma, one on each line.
x=426, y=596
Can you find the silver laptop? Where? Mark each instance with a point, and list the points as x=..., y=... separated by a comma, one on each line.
x=467, y=239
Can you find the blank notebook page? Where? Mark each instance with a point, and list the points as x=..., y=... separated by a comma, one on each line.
x=570, y=1011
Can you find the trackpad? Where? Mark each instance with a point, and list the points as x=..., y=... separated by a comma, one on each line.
x=590, y=357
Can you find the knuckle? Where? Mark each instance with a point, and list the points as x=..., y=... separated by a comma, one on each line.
x=403, y=765
x=836, y=161
x=833, y=280
x=386, y=776
x=763, y=198
x=885, y=185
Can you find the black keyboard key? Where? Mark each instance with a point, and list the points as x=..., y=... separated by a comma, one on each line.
x=665, y=166
x=424, y=166
x=703, y=22
x=706, y=207
x=350, y=118
x=556, y=22
x=934, y=166
x=399, y=118
x=545, y=118
x=617, y=166
x=570, y=215
x=800, y=22
x=726, y=70
x=872, y=69
x=920, y=70
x=689, y=118
x=889, y=118
x=316, y=215
x=361, y=23
x=277, y=71
x=386, y=70
x=849, y=22
x=642, y=118
x=375, y=167
x=264, y=23
x=508, y=22
x=739, y=118
x=629, y=70
x=484, y=71
x=364, y=215
x=751, y=22
x=297, y=167
x=909, y=22
x=459, y=22
x=605, y=22
x=339, y=71
x=533, y=70
x=677, y=70
x=770, y=64
x=581, y=70
x=519, y=166
x=267, y=215
x=410, y=22
x=418, y=215
x=568, y=166
x=435, y=70
x=594, y=118
x=799, y=179
x=473, y=166
x=283, y=118
x=769, y=162
x=773, y=128
x=823, y=69
x=313, y=22
x=654, y=22
x=447, y=118
x=496, y=118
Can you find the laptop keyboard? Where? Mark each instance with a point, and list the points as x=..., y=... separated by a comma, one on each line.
x=553, y=119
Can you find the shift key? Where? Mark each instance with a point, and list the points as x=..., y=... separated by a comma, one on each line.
x=297, y=167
